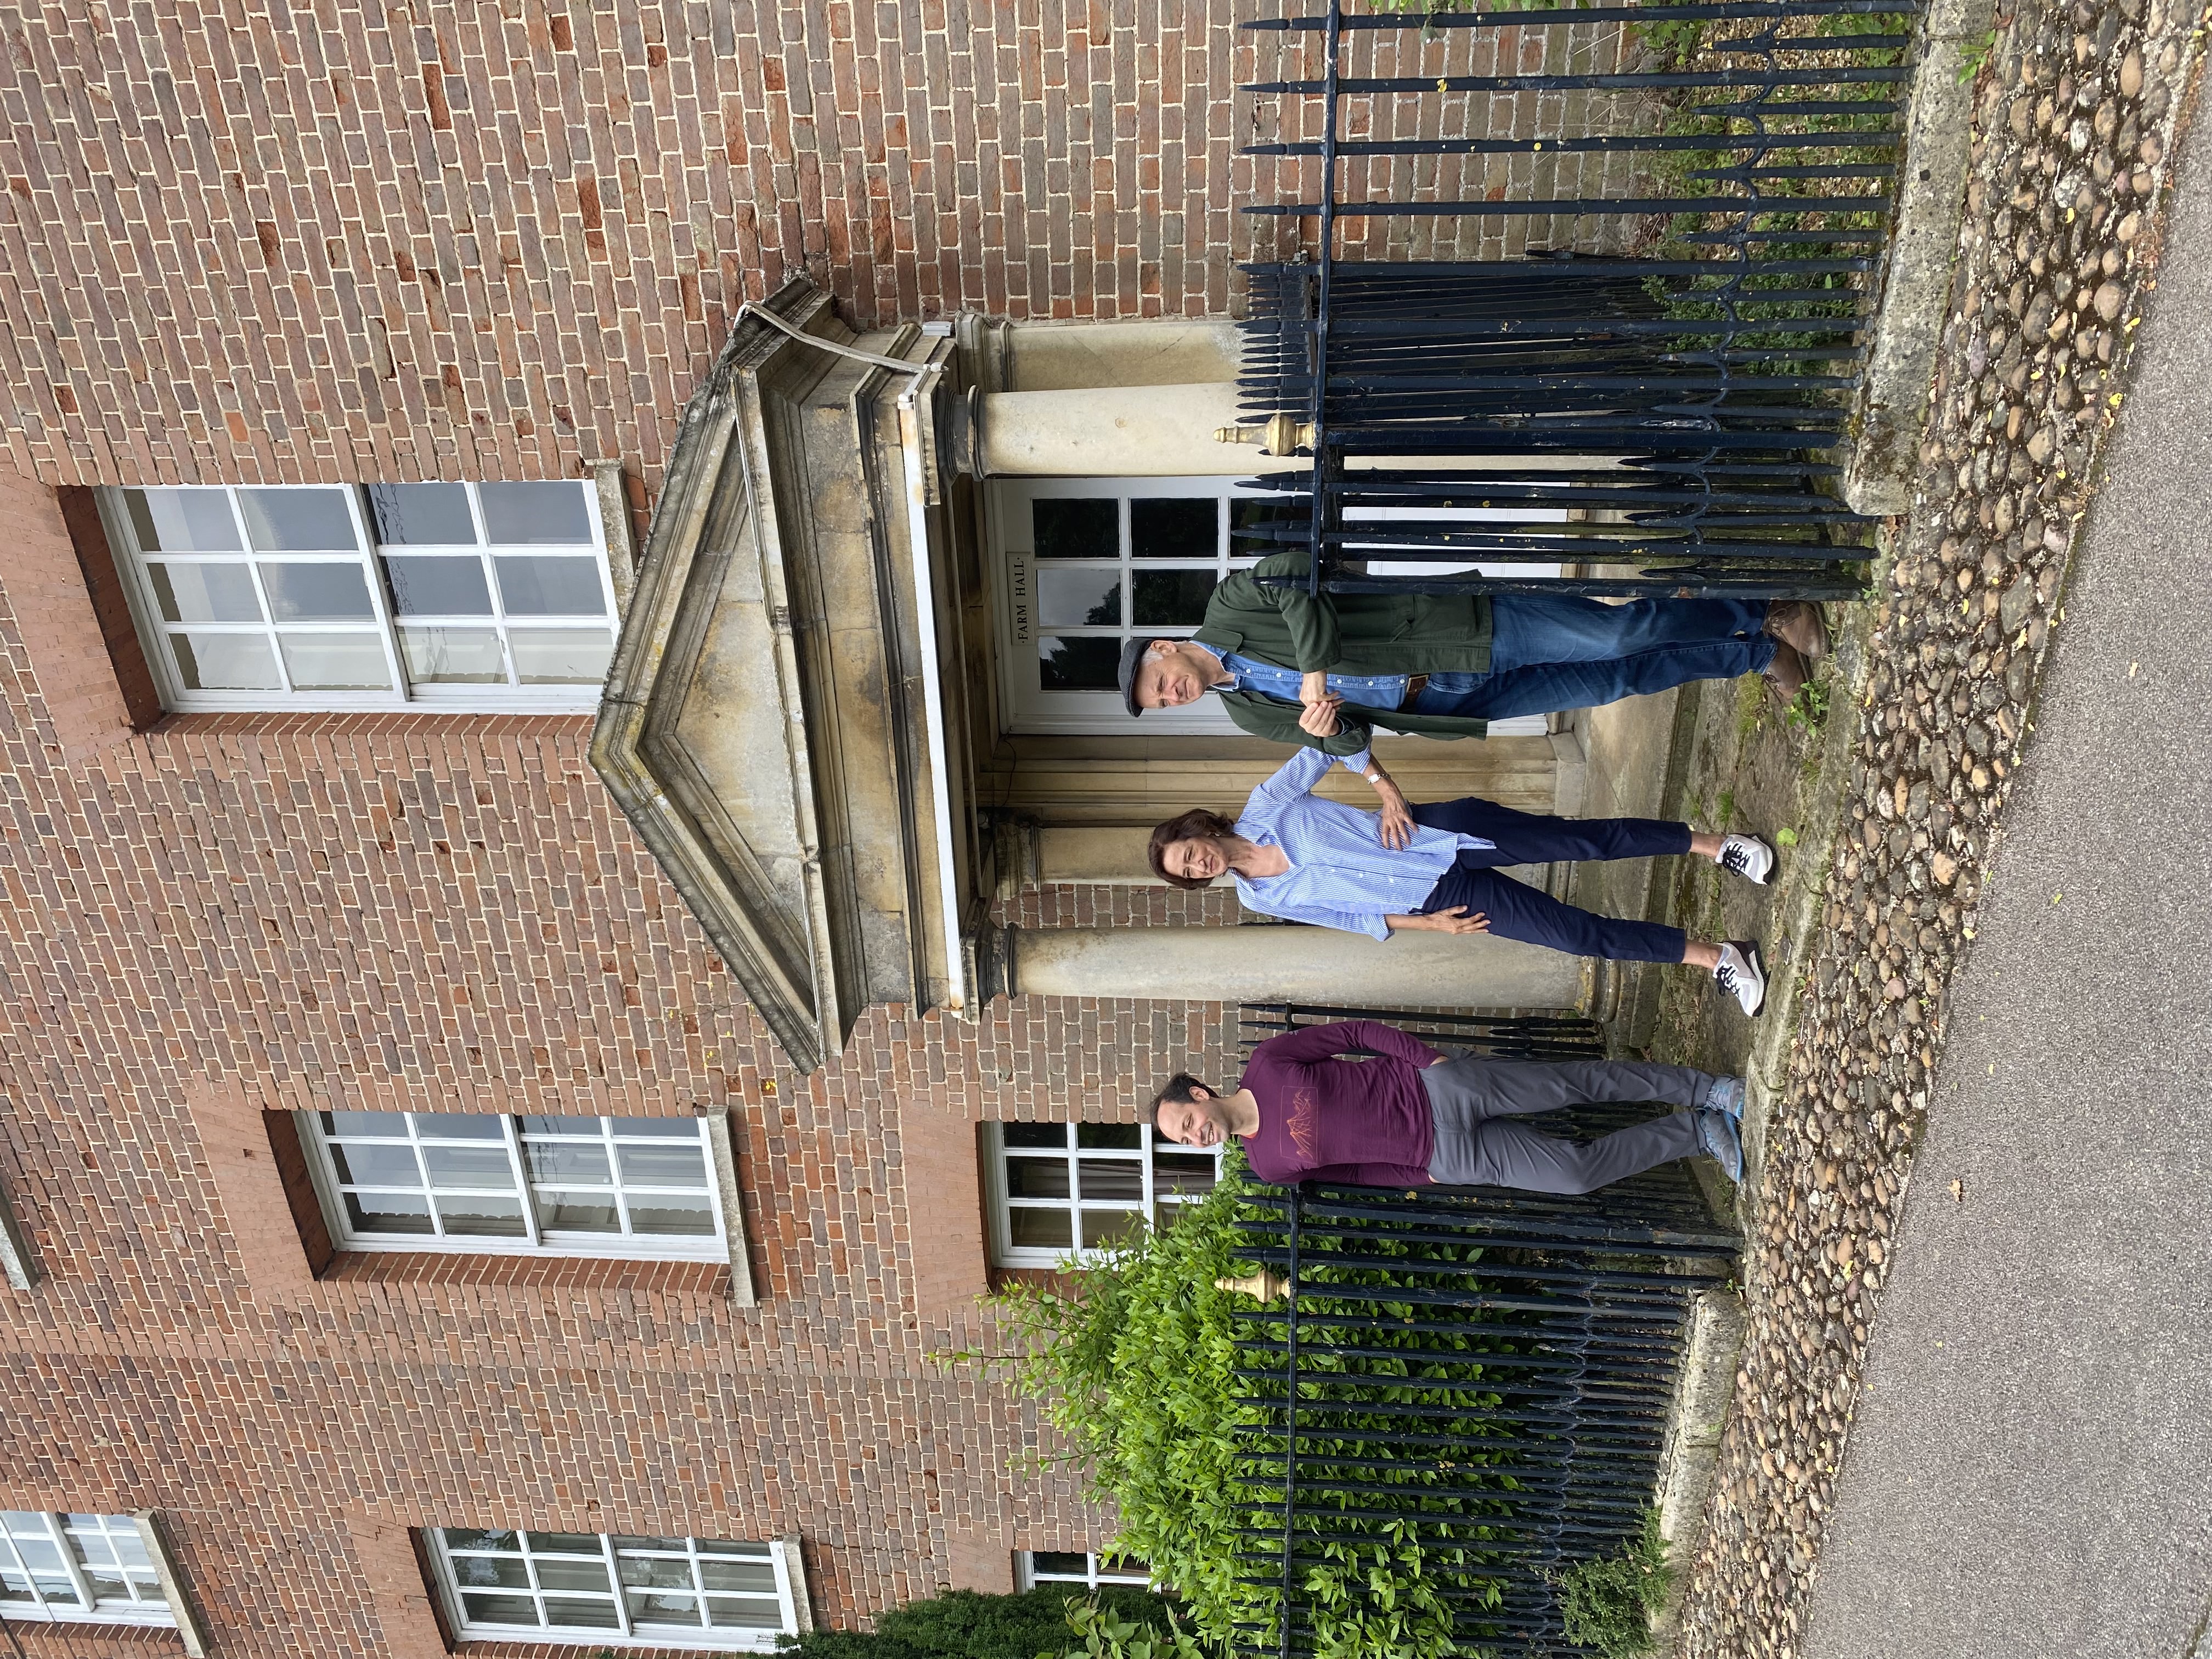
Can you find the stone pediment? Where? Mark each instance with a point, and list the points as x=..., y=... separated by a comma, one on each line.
x=762, y=724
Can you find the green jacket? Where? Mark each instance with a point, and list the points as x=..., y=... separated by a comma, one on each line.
x=1347, y=633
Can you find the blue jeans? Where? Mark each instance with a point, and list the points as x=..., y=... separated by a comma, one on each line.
x=1552, y=652
x=1518, y=911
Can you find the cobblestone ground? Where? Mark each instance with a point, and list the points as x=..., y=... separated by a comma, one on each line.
x=2075, y=114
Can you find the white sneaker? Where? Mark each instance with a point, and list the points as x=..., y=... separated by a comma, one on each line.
x=1747, y=856
x=1742, y=974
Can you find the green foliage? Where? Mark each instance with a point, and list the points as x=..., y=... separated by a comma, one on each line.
x=1607, y=1605
x=1808, y=710
x=1135, y=1363
x=1107, y=1635
x=1970, y=61
x=968, y=1625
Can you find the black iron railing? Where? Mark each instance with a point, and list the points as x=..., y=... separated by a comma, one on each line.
x=1489, y=1372
x=1662, y=399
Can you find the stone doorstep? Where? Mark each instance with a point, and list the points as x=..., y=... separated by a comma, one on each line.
x=1690, y=1452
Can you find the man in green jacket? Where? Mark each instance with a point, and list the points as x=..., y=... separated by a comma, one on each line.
x=1325, y=671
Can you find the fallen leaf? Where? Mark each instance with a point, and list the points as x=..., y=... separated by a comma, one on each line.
x=1786, y=837
x=2055, y=898
x=1959, y=1191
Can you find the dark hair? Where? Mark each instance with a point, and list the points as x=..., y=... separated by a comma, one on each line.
x=1189, y=826
x=1175, y=1092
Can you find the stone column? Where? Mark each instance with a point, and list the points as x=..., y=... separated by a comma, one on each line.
x=1295, y=964
x=1115, y=856
x=1113, y=432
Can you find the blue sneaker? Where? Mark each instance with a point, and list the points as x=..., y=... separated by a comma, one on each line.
x=1727, y=1096
x=1717, y=1135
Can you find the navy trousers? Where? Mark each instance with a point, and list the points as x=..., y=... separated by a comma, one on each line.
x=1519, y=911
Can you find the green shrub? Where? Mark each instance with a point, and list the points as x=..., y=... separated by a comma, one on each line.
x=1607, y=1605
x=968, y=1625
x=1135, y=1362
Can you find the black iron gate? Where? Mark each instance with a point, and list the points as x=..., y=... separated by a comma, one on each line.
x=1662, y=402
x=1484, y=1376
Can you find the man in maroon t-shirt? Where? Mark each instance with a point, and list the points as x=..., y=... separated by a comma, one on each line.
x=1363, y=1104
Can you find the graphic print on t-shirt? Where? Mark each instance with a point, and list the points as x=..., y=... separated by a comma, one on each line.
x=1303, y=1125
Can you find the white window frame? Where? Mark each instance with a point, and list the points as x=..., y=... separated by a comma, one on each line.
x=538, y=1239
x=997, y=1195
x=1096, y=1573
x=132, y=561
x=60, y=1531
x=783, y=1554
x=1013, y=576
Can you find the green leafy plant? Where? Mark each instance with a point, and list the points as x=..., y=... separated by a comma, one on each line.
x=1809, y=709
x=1975, y=56
x=1133, y=1358
x=1607, y=1605
x=1106, y=1634
x=970, y=1625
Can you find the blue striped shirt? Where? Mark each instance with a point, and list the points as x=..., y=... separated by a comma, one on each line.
x=1381, y=691
x=1341, y=875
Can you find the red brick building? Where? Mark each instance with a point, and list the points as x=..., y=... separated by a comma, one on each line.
x=406, y=1196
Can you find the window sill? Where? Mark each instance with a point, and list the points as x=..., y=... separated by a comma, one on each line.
x=528, y=1272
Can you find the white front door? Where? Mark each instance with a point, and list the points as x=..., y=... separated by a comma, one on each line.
x=1082, y=565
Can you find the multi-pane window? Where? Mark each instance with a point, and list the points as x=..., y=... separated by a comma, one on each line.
x=1090, y=562
x=457, y=595
x=1086, y=1568
x=78, y=1567
x=572, y=1186
x=595, y=1587
x=1068, y=1189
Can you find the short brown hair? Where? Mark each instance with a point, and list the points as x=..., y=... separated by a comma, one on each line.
x=1175, y=1092
x=1189, y=826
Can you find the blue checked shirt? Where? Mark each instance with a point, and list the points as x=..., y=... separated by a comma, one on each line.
x=1341, y=875
x=1360, y=691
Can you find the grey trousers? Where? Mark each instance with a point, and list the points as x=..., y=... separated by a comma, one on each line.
x=1471, y=1100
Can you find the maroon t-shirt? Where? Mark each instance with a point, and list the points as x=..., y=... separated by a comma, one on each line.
x=1364, y=1123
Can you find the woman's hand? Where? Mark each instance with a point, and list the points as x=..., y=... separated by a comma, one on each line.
x=1458, y=919
x=1398, y=824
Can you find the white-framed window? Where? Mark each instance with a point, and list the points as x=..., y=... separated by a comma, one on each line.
x=482, y=597
x=478, y=1182
x=90, y=1568
x=1086, y=1568
x=1062, y=1190
x=1084, y=564
x=598, y=1588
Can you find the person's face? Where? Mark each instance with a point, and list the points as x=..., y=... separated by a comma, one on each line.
x=1180, y=676
x=1198, y=859
x=1201, y=1121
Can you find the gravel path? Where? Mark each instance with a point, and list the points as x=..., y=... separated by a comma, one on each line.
x=2075, y=117
x=2031, y=1464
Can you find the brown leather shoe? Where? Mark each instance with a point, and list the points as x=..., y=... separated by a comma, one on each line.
x=1798, y=624
x=1786, y=675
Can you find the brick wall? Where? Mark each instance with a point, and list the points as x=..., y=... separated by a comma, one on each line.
x=340, y=240
x=279, y=242
x=222, y=918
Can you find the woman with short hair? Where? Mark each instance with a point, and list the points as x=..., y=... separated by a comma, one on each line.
x=1433, y=868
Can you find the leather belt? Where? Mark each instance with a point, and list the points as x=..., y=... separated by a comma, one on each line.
x=1415, y=684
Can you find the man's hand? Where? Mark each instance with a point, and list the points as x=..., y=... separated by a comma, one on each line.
x=1319, y=719
x=1457, y=919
